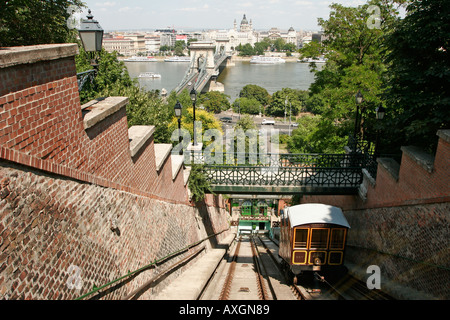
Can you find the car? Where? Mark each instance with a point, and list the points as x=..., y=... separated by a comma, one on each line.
x=226, y=119
x=268, y=122
x=295, y=124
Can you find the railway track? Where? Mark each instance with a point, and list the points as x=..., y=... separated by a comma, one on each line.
x=253, y=272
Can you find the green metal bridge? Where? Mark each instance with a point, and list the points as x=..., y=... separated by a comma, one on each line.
x=283, y=174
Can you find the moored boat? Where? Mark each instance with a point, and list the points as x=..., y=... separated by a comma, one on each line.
x=178, y=59
x=266, y=60
x=149, y=75
x=141, y=59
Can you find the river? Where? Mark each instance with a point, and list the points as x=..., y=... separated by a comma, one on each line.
x=271, y=77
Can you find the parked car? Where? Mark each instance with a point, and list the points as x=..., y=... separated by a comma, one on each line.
x=226, y=119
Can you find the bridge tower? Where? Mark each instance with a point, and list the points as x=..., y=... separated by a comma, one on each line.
x=201, y=50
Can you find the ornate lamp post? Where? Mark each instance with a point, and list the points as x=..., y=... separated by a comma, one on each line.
x=178, y=108
x=193, y=95
x=359, y=99
x=380, y=113
x=91, y=35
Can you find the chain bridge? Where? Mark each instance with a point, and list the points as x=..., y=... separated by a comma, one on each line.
x=207, y=61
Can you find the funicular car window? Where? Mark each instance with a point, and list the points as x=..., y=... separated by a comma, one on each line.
x=319, y=238
x=337, y=238
x=301, y=238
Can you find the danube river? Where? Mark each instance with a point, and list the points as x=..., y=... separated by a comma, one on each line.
x=271, y=77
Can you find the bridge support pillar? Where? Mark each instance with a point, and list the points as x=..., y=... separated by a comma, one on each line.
x=201, y=50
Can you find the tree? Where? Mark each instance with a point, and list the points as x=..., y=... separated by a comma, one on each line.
x=256, y=92
x=214, y=101
x=247, y=105
x=286, y=100
x=31, y=22
x=354, y=55
x=418, y=88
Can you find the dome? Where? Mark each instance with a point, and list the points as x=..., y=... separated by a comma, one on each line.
x=244, y=20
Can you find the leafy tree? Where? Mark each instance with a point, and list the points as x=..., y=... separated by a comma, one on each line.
x=418, y=88
x=286, y=100
x=214, y=101
x=31, y=22
x=355, y=62
x=256, y=92
x=247, y=105
x=246, y=50
x=198, y=184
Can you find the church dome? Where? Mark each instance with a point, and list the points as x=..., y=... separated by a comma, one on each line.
x=244, y=20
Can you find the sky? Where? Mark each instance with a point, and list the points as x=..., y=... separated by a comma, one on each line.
x=207, y=14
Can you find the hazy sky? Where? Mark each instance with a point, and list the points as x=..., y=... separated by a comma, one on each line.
x=208, y=14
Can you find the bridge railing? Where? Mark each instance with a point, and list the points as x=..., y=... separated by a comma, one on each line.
x=315, y=170
x=284, y=176
x=279, y=160
x=187, y=76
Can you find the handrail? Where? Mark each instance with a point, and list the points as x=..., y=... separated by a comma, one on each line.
x=96, y=289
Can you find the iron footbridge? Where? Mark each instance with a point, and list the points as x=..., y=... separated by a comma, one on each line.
x=320, y=174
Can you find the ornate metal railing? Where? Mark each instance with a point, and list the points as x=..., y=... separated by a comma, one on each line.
x=309, y=170
x=284, y=176
x=83, y=77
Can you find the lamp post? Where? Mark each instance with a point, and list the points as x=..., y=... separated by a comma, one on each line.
x=193, y=95
x=178, y=108
x=91, y=35
x=380, y=113
x=359, y=99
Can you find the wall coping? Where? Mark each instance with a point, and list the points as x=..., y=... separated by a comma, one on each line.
x=139, y=135
x=97, y=110
x=391, y=166
x=444, y=135
x=422, y=158
x=13, y=56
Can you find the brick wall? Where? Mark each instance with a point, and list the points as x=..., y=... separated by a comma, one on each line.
x=79, y=190
x=50, y=223
x=42, y=125
x=401, y=223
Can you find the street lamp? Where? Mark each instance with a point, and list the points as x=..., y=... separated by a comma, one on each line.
x=359, y=99
x=380, y=113
x=178, y=108
x=193, y=95
x=91, y=35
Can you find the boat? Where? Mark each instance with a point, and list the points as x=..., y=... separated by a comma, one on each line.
x=309, y=60
x=266, y=60
x=178, y=59
x=141, y=59
x=149, y=75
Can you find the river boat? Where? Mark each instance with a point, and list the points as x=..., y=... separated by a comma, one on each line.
x=151, y=75
x=309, y=60
x=178, y=59
x=141, y=59
x=266, y=60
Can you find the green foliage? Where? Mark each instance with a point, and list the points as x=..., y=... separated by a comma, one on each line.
x=247, y=105
x=214, y=101
x=287, y=100
x=31, y=22
x=418, y=92
x=198, y=184
x=256, y=92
